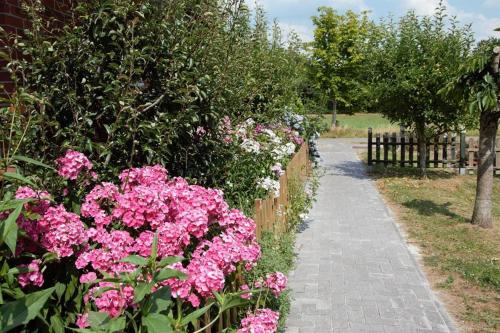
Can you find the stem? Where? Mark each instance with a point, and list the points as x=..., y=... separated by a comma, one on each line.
x=209, y=324
x=179, y=311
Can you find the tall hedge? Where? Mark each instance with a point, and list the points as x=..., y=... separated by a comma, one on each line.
x=130, y=82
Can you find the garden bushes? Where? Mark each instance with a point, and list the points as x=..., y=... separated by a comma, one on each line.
x=125, y=91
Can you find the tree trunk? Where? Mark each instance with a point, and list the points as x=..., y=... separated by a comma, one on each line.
x=422, y=149
x=334, y=114
x=485, y=170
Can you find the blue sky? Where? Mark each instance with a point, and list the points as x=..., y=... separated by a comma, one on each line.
x=296, y=14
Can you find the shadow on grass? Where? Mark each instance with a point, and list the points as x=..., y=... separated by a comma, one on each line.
x=430, y=208
x=380, y=172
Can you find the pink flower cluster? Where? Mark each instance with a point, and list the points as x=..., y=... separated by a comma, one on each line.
x=276, y=282
x=72, y=164
x=33, y=277
x=62, y=231
x=124, y=221
x=262, y=321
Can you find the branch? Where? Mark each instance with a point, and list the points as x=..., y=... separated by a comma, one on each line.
x=152, y=105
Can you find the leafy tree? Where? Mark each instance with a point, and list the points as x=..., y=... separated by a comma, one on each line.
x=416, y=58
x=338, y=55
x=478, y=89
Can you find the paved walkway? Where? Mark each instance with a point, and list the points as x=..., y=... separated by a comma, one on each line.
x=354, y=271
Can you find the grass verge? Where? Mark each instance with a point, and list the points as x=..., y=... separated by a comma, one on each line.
x=356, y=125
x=462, y=261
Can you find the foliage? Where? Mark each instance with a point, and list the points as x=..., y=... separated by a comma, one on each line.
x=129, y=83
x=474, y=86
x=338, y=54
x=416, y=58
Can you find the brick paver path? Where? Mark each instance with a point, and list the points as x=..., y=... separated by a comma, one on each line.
x=354, y=271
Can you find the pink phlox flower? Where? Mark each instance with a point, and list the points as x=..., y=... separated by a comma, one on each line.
x=72, y=164
x=276, y=282
x=145, y=176
x=33, y=277
x=82, y=320
x=262, y=321
x=61, y=231
x=41, y=204
x=101, y=195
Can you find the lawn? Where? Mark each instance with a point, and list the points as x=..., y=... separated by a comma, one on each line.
x=356, y=125
x=462, y=261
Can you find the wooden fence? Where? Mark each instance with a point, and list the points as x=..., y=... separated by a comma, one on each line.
x=270, y=214
x=446, y=151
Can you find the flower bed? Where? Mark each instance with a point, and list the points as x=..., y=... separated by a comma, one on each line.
x=149, y=251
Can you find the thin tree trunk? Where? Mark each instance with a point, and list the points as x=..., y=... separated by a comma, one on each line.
x=334, y=114
x=422, y=149
x=485, y=170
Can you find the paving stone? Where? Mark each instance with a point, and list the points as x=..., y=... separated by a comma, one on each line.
x=354, y=272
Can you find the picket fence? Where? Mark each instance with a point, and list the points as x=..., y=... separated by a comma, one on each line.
x=270, y=213
x=445, y=151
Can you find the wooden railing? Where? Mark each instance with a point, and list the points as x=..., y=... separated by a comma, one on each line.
x=270, y=213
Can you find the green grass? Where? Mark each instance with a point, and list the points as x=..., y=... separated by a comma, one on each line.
x=435, y=213
x=356, y=125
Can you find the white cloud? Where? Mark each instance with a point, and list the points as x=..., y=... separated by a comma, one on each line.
x=306, y=33
x=494, y=4
x=352, y=4
x=481, y=25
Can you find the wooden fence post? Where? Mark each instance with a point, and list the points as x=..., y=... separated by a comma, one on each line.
x=436, y=151
x=453, y=156
x=411, y=150
x=462, y=149
x=370, y=142
x=386, y=149
x=445, y=150
x=394, y=143
x=403, y=147
x=377, y=148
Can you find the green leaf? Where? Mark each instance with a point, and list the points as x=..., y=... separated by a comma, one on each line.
x=169, y=261
x=161, y=300
x=168, y=273
x=56, y=324
x=60, y=288
x=136, y=260
x=157, y=323
x=101, y=321
x=31, y=161
x=195, y=314
x=8, y=229
x=154, y=248
x=218, y=297
x=12, y=204
x=141, y=290
x=116, y=325
x=23, y=310
x=18, y=177
x=233, y=301
x=97, y=318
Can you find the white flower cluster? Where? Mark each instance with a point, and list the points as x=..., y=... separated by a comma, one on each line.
x=250, y=146
x=269, y=185
x=281, y=151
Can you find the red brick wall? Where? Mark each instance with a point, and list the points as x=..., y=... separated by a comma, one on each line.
x=13, y=20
